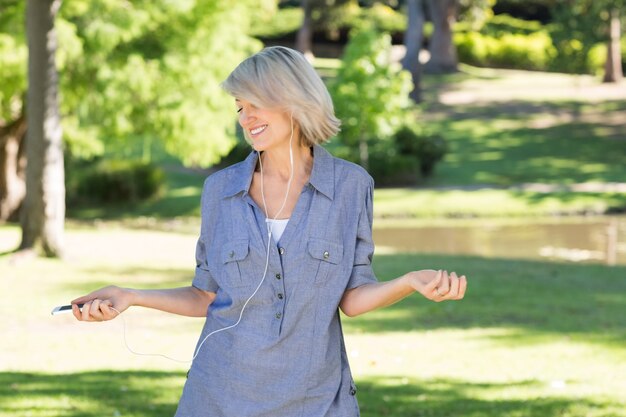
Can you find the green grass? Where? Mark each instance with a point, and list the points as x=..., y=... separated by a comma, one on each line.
x=530, y=339
x=460, y=203
x=492, y=147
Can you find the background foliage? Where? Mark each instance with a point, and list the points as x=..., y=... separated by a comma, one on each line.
x=140, y=72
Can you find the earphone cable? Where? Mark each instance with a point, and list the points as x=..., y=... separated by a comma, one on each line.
x=267, y=261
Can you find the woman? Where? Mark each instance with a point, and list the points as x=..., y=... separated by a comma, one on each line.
x=286, y=240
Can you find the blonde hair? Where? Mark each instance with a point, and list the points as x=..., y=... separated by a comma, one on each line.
x=281, y=78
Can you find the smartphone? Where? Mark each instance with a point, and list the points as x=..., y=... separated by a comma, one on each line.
x=64, y=309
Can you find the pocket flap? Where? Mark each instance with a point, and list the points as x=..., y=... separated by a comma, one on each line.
x=325, y=251
x=235, y=250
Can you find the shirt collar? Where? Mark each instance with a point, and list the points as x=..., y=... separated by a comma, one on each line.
x=322, y=174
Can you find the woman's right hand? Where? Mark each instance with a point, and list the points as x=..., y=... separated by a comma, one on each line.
x=103, y=304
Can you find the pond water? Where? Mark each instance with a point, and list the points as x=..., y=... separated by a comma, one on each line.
x=588, y=240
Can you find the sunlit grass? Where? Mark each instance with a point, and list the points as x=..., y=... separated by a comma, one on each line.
x=441, y=203
x=530, y=339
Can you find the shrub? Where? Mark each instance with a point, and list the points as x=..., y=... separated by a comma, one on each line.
x=113, y=181
x=473, y=48
x=596, y=58
x=409, y=157
x=370, y=92
x=384, y=18
x=284, y=22
x=530, y=52
x=389, y=168
x=426, y=147
x=505, y=24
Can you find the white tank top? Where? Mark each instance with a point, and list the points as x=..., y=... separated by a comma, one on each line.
x=277, y=227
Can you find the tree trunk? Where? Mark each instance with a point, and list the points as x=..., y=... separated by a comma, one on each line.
x=364, y=153
x=443, y=57
x=43, y=213
x=613, y=66
x=12, y=166
x=413, y=40
x=304, y=37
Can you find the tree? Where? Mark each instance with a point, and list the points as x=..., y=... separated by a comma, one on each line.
x=580, y=26
x=13, y=60
x=444, y=14
x=304, y=37
x=132, y=74
x=329, y=16
x=370, y=92
x=443, y=57
x=413, y=40
x=12, y=167
x=43, y=215
x=613, y=71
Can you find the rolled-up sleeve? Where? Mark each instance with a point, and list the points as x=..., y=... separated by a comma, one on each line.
x=203, y=278
x=362, y=272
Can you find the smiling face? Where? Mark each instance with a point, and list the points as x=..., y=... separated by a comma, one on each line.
x=264, y=128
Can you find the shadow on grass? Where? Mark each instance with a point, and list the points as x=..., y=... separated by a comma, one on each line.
x=514, y=145
x=614, y=203
x=98, y=393
x=538, y=299
x=152, y=394
x=403, y=397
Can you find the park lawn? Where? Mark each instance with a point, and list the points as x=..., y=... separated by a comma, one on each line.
x=499, y=144
x=530, y=339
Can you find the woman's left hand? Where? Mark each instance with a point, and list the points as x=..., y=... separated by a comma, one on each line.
x=438, y=285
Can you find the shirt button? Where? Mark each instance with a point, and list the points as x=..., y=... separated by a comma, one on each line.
x=278, y=315
x=281, y=251
x=278, y=276
x=352, y=391
x=326, y=254
x=280, y=296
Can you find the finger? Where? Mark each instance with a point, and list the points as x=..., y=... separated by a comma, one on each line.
x=106, y=308
x=431, y=287
x=84, y=315
x=454, y=286
x=76, y=312
x=94, y=310
x=462, y=287
x=444, y=285
x=85, y=298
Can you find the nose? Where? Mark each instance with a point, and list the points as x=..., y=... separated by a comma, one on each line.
x=246, y=117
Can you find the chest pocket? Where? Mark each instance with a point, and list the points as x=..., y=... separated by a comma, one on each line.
x=234, y=255
x=326, y=256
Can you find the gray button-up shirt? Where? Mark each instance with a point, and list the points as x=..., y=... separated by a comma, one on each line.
x=287, y=356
